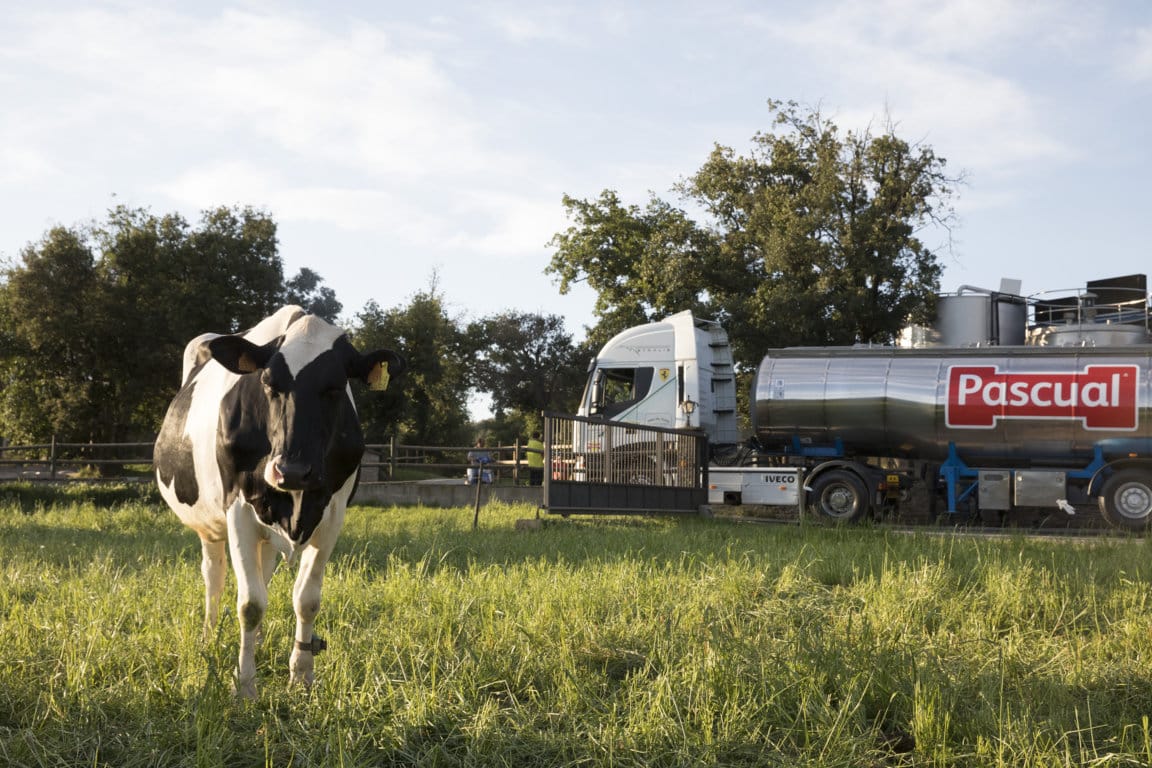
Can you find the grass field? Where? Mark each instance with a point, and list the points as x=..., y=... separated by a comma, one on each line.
x=624, y=642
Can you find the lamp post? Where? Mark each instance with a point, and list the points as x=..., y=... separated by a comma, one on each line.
x=688, y=405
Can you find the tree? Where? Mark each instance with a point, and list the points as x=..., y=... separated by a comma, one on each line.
x=819, y=233
x=428, y=406
x=95, y=317
x=528, y=363
x=50, y=364
x=643, y=264
x=306, y=290
x=810, y=239
x=165, y=282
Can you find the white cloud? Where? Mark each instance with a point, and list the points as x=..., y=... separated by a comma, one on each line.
x=517, y=225
x=360, y=209
x=350, y=97
x=1136, y=55
x=22, y=165
x=941, y=29
x=337, y=126
x=924, y=63
x=532, y=23
x=954, y=27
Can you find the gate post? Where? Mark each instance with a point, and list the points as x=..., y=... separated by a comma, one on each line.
x=661, y=468
x=516, y=462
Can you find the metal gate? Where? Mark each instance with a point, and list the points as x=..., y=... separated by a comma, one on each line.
x=593, y=466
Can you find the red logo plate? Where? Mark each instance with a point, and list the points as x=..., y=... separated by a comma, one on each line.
x=1102, y=396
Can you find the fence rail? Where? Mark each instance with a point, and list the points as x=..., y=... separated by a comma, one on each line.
x=57, y=461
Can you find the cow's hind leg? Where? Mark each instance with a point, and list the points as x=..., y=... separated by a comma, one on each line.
x=269, y=559
x=245, y=540
x=213, y=566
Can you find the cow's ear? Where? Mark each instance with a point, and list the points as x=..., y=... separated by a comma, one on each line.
x=377, y=368
x=239, y=355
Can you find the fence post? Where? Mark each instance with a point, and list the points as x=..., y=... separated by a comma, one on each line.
x=516, y=462
x=392, y=458
x=548, y=459
x=52, y=459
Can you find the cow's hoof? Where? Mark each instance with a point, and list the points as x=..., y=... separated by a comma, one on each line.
x=244, y=690
x=302, y=680
x=301, y=666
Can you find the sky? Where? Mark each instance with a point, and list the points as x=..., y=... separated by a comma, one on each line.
x=400, y=145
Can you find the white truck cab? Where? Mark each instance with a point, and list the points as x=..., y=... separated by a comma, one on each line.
x=675, y=373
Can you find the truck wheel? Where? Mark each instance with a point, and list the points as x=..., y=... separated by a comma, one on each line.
x=1126, y=499
x=839, y=496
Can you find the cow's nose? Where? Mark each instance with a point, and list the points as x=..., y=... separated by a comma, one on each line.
x=294, y=475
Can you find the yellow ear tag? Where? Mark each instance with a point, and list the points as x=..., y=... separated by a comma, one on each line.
x=378, y=377
x=246, y=364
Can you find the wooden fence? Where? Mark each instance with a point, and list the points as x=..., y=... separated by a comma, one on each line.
x=61, y=462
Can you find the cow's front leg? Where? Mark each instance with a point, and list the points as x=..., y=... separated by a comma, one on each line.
x=306, y=602
x=213, y=565
x=245, y=538
x=306, y=595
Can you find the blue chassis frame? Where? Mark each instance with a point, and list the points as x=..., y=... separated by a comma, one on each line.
x=961, y=480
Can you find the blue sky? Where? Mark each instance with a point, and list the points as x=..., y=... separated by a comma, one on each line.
x=393, y=140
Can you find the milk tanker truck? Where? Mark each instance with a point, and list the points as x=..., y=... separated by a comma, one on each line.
x=1003, y=404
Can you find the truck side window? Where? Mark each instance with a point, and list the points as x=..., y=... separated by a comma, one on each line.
x=623, y=387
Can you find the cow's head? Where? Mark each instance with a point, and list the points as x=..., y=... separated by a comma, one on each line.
x=300, y=432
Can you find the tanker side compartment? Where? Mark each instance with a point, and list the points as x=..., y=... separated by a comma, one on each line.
x=859, y=403
x=912, y=420
x=855, y=402
x=789, y=403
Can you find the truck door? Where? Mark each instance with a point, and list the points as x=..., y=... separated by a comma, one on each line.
x=616, y=393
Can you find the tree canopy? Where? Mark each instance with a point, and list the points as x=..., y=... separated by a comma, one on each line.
x=811, y=238
x=528, y=363
x=429, y=405
x=95, y=317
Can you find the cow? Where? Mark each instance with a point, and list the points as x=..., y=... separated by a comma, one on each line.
x=261, y=449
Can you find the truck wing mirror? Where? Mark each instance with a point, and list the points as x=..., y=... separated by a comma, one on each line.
x=596, y=395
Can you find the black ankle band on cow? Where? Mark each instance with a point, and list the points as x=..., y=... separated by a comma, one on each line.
x=314, y=647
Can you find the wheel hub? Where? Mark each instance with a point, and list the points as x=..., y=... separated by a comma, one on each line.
x=1134, y=501
x=840, y=501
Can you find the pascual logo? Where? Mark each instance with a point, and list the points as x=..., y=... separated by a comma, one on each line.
x=1102, y=396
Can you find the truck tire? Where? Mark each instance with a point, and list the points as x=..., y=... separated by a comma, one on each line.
x=839, y=496
x=1126, y=499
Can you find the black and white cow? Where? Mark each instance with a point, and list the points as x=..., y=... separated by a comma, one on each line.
x=261, y=449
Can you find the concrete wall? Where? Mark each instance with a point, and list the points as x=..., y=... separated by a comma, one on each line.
x=456, y=494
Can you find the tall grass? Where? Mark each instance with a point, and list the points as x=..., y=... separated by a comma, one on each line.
x=602, y=642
